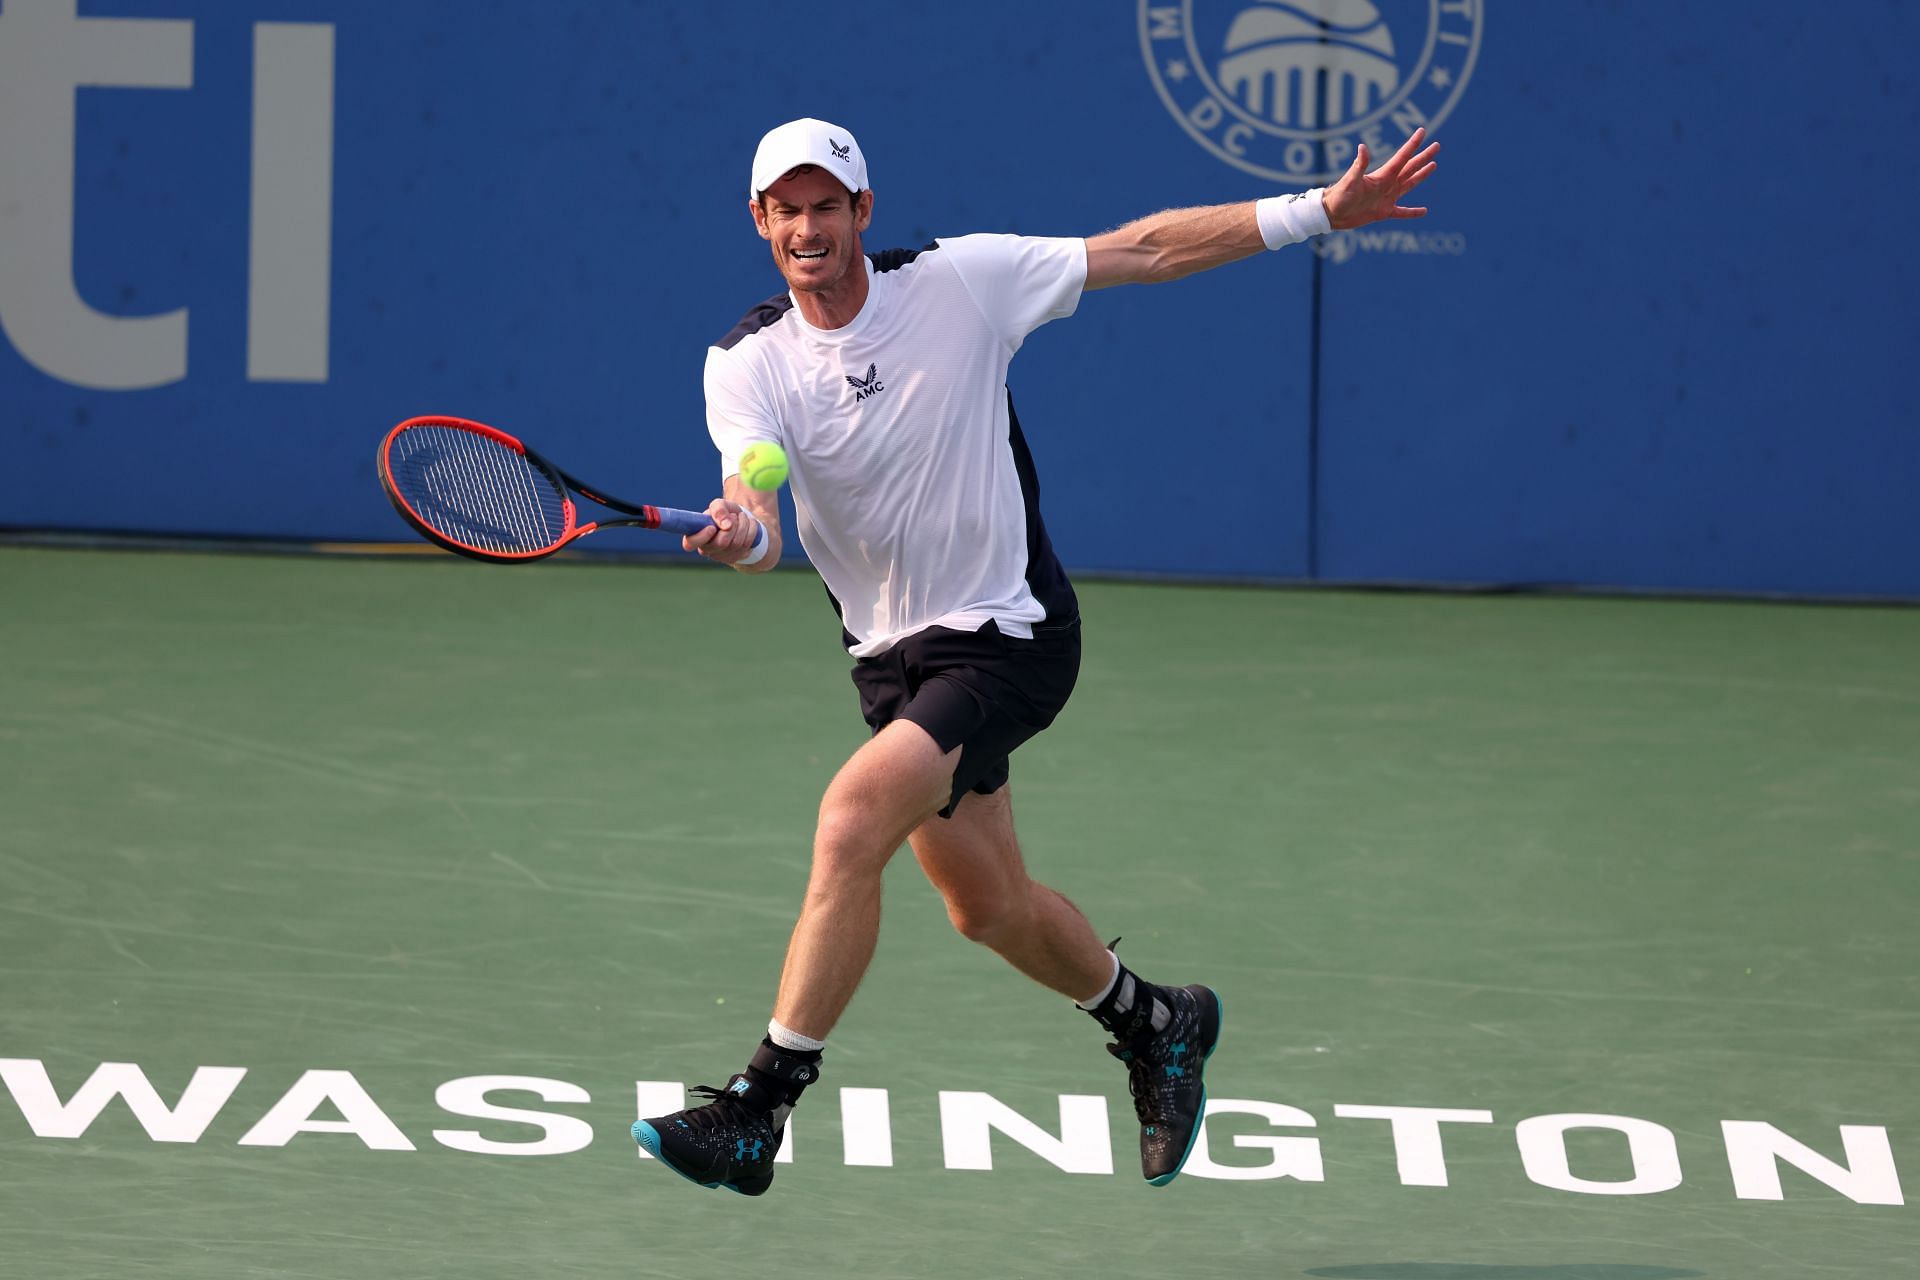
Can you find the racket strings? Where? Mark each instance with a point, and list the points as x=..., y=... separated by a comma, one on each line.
x=477, y=491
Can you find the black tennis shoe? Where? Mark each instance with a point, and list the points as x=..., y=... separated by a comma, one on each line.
x=731, y=1139
x=721, y=1143
x=1164, y=1074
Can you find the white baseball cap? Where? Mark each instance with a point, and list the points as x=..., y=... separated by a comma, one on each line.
x=808, y=141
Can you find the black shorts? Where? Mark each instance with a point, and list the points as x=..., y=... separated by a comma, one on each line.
x=982, y=691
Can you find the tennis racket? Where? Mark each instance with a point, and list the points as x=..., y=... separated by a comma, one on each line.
x=479, y=492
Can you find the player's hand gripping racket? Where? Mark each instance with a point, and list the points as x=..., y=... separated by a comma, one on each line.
x=480, y=492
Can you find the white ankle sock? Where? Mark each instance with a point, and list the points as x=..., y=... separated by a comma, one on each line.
x=795, y=1041
x=1093, y=1002
x=1159, y=1017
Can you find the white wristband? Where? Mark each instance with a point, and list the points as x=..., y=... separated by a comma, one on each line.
x=1286, y=220
x=759, y=552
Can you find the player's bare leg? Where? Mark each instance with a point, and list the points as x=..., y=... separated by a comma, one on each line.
x=973, y=859
x=1163, y=1034
x=893, y=784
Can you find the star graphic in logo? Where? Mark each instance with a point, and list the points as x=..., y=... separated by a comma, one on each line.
x=1177, y=71
x=1440, y=78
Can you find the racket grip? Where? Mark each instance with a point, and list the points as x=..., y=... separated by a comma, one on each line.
x=674, y=520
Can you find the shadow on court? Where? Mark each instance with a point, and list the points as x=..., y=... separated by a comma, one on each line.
x=1481, y=1271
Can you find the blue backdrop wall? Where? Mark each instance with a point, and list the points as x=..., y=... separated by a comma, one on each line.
x=1655, y=332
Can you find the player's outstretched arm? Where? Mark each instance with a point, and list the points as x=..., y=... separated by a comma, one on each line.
x=1179, y=242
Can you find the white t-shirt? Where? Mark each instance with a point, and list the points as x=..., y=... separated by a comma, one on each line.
x=914, y=489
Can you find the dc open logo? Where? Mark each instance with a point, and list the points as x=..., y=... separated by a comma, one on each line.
x=1288, y=89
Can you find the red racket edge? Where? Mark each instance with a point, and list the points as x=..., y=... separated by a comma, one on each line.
x=433, y=535
x=459, y=424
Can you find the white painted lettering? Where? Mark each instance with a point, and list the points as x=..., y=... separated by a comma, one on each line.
x=208, y=1091
x=467, y=1096
x=1416, y=1138
x=967, y=1122
x=1755, y=1148
x=293, y=1114
x=1650, y=1148
x=866, y=1127
x=1297, y=1158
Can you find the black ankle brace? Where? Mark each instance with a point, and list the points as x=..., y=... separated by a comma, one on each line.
x=1127, y=1011
x=783, y=1073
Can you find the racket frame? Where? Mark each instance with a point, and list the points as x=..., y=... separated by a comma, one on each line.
x=644, y=515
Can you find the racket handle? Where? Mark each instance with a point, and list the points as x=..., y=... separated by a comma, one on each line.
x=674, y=520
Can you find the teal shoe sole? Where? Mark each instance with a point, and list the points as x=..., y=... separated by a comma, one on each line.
x=649, y=1137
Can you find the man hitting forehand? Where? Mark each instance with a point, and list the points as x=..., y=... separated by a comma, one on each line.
x=884, y=377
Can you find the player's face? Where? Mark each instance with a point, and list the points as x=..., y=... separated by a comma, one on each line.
x=814, y=226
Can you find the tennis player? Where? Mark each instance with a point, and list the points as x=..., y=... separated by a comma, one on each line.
x=884, y=377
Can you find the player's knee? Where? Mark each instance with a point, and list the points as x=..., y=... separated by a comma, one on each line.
x=984, y=918
x=845, y=844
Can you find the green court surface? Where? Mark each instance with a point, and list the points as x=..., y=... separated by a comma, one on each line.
x=1650, y=867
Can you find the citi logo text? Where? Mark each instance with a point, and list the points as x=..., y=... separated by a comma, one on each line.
x=48, y=53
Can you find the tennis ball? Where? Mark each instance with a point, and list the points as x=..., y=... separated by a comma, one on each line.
x=763, y=467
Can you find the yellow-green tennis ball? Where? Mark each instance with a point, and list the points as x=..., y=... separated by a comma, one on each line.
x=763, y=467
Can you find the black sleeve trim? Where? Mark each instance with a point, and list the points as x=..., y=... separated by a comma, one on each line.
x=766, y=313
x=894, y=259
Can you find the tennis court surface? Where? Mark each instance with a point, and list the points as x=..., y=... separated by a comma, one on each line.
x=1561, y=939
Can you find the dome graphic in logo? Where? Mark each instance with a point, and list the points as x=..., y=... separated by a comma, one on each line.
x=1287, y=89
x=1275, y=57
